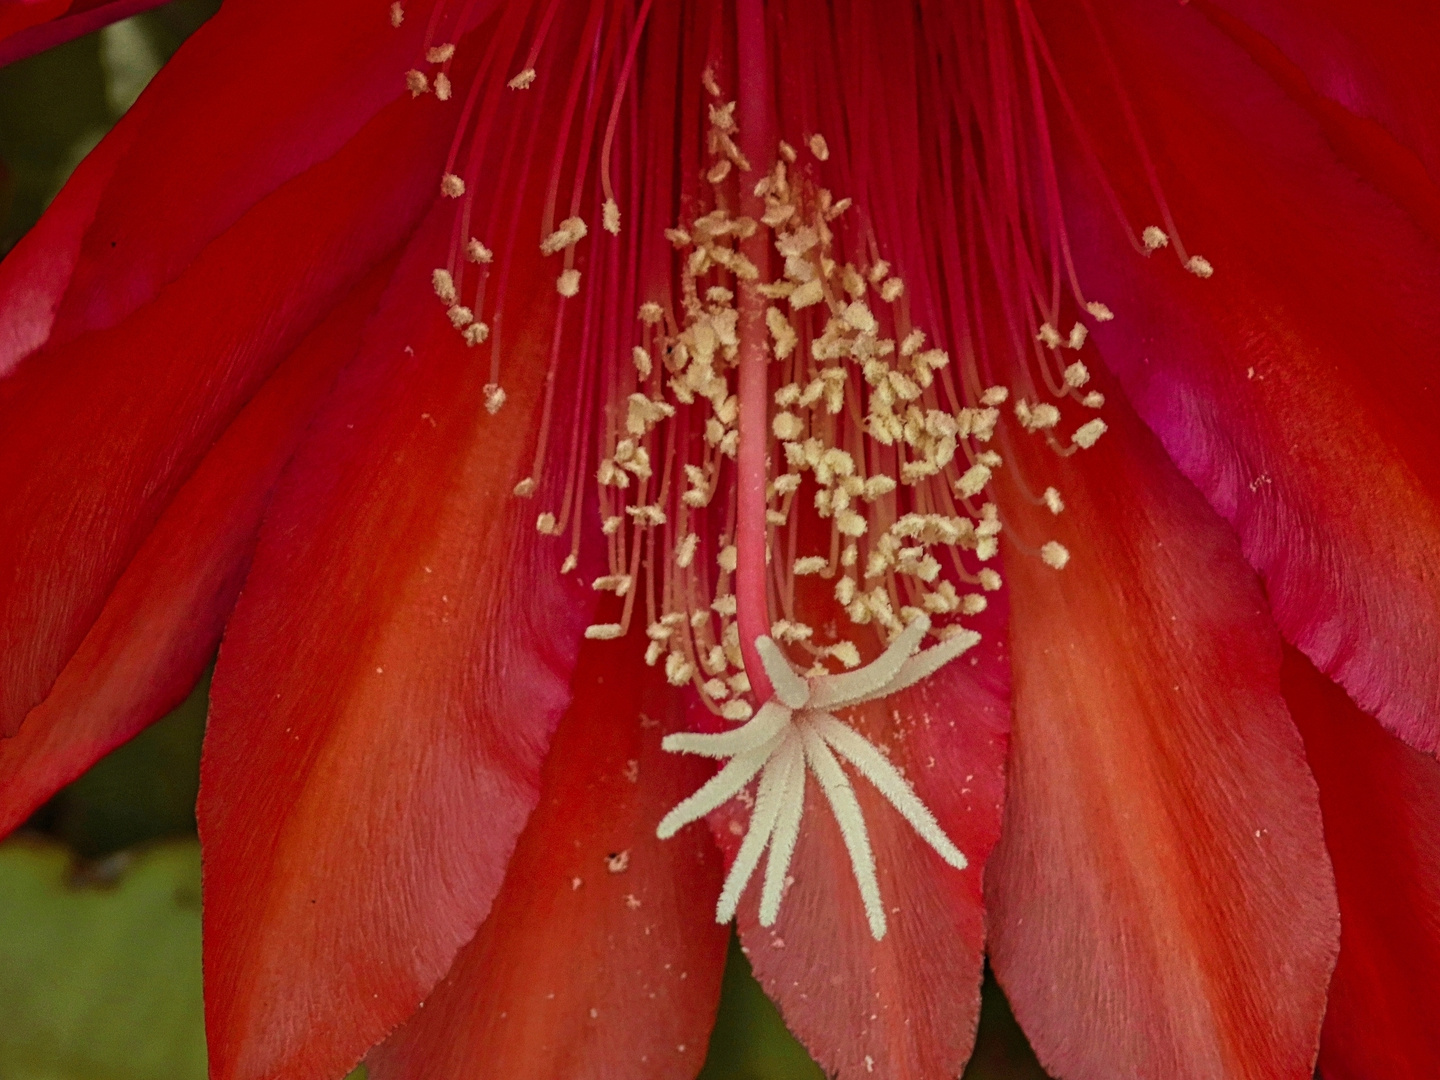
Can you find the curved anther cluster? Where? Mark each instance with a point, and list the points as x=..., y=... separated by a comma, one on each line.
x=796, y=731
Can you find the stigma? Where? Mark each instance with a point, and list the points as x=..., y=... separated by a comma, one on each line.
x=794, y=733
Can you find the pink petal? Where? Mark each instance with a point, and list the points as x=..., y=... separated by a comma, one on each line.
x=904, y=1007
x=1297, y=387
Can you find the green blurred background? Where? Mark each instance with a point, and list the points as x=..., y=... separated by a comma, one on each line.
x=100, y=894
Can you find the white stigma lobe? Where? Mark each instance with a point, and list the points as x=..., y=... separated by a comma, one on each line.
x=795, y=731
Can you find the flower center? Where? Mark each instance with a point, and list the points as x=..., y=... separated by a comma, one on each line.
x=753, y=427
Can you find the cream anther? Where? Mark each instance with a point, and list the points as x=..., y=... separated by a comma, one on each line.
x=444, y=285
x=522, y=81
x=442, y=86
x=568, y=283
x=1099, y=311
x=1077, y=375
x=610, y=217
x=1053, y=502
x=1054, y=554
x=494, y=398
x=439, y=54
x=477, y=252
x=1088, y=433
x=451, y=186
x=416, y=82
x=819, y=147
x=1154, y=238
x=604, y=631
x=571, y=231
x=1199, y=266
x=397, y=14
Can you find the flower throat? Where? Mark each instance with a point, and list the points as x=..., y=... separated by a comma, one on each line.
x=753, y=433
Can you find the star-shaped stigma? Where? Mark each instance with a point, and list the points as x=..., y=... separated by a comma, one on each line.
x=796, y=729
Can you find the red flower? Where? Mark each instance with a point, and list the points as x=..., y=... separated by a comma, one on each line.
x=326, y=345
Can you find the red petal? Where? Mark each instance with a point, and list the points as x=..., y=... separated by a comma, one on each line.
x=256, y=97
x=36, y=272
x=1381, y=802
x=601, y=956
x=1160, y=901
x=905, y=1007
x=386, y=690
x=1297, y=387
x=1361, y=143
x=140, y=404
x=26, y=27
x=1378, y=62
x=17, y=15
x=163, y=619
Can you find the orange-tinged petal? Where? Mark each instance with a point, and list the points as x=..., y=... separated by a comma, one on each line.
x=601, y=956
x=1160, y=902
x=386, y=690
x=1381, y=802
x=163, y=619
